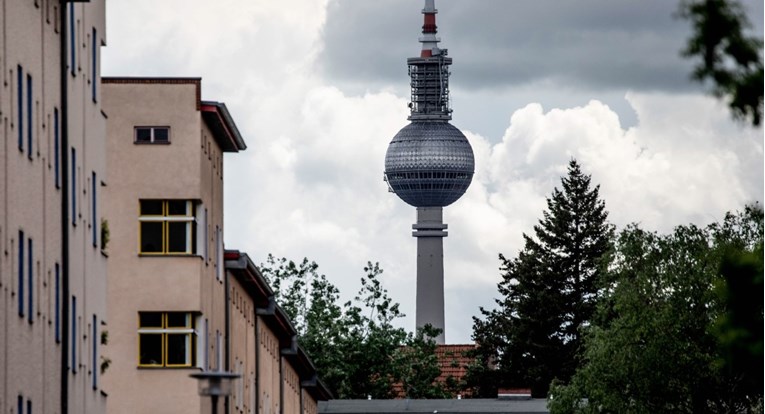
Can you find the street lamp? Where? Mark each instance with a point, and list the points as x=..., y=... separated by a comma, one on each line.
x=215, y=384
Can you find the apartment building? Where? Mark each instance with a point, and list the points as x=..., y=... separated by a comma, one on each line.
x=277, y=376
x=52, y=175
x=165, y=215
x=178, y=303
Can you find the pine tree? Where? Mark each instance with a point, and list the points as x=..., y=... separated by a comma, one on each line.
x=548, y=294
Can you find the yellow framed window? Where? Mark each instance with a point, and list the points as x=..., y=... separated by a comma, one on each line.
x=167, y=227
x=166, y=339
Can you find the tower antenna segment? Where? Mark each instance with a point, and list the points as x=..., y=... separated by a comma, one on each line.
x=429, y=165
x=429, y=29
x=429, y=73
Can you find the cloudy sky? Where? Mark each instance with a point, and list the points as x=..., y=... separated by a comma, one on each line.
x=319, y=87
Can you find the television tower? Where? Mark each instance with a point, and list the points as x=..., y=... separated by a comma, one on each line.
x=429, y=165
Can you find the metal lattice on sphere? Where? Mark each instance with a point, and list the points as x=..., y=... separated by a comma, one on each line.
x=429, y=164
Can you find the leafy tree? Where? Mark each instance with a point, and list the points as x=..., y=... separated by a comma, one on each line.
x=740, y=329
x=356, y=348
x=728, y=57
x=417, y=367
x=655, y=347
x=548, y=293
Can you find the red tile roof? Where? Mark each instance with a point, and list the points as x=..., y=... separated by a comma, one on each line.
x=453, y=362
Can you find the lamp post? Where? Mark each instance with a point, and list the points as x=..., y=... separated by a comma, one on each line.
x=215, y=384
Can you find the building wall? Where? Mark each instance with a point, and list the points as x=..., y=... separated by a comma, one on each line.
x=32, y=338
x=268, y=372
x=310, y=405
x=291, y=386
x=243, y=345
x=181, y=170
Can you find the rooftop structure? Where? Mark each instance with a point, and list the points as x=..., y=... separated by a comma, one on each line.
x=455, y=406
x=429, y=164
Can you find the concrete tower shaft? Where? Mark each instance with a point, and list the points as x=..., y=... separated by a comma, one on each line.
x=430, y=231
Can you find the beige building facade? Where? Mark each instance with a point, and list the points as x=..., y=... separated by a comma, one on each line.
x=178, y=302
x=165, y=212
x=126, y=172
x=277, y=376
x=52, y=175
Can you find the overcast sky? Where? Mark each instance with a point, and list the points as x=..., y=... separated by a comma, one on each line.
x=319, y=87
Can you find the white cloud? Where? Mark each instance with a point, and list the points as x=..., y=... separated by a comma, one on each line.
x=310, y=183
x=685, y=161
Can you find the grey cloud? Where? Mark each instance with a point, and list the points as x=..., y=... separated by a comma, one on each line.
x=589, y=44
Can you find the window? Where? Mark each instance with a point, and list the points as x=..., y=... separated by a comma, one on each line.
x=94, y=60
x=30, y=281
x=206, y=333
x=166, y=227
x=166, y=339
x=20, y=105
x=218, y=253
x=94, y=341
x=29, y=116
x=152, y=135
x=56, y=303
x=56, y=140
x=74, y=187
x=238, y=396
x=21, y=273
x=93, y=215
x=202, y=230
x=72, y=41
x=74, y=334
x=218, y=350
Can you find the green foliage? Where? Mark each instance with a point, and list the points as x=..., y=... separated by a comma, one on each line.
x=104, y=234
x=356, y=348
x=548, y=293
x=654, y=347
x=729, y=58
x=416, y=366
x=740, y=328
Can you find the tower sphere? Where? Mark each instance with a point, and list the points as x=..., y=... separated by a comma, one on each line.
x=429, y=164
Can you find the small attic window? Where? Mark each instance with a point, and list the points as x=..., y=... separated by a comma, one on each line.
x=152, y=135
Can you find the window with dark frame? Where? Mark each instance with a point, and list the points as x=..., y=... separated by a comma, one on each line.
x=56, y=156
x=152, y=135
x=73, y=344
x=94, y=62
x=21, y=273
x=30, y=281
x=74, y=187
x=94, y=209
x=94, y=355
x=72, y=40
x=20, y=105
x=29, y=116
x=56, y=304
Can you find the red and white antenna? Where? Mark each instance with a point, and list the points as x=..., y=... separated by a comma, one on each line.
x=429, y=39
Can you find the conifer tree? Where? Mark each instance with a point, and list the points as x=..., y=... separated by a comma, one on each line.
x=548, y=293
